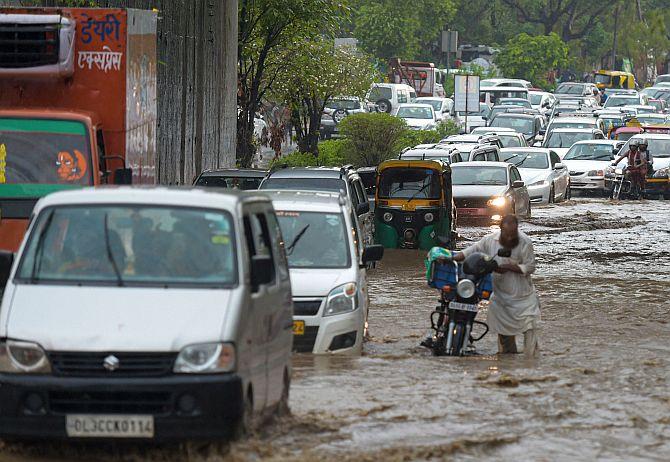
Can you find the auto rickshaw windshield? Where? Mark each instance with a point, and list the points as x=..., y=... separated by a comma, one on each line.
x=407, y=183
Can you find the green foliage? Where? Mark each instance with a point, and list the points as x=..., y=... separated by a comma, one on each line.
x=395, y=28
x=372, y=137
x=331, y=154
x=531, y=57
x=411, y=138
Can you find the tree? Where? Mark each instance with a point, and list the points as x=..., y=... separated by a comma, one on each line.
x=266, y=29
x=394, y=28
x=318, y=72
x=531, y=57
x=372, y=137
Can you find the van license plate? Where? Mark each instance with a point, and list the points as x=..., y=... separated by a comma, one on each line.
x=109, y=426
x=298, y=327
x=463, y=307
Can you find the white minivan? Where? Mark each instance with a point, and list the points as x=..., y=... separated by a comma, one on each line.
x=145, y=313
x=327, y=261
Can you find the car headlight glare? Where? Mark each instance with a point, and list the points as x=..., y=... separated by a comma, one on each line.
x=342, y=300
x=429, y=217
x=388, y=217
x=498, y=202
x=23, y=358
x=596, y=173
x=465, y=288
x=206, y=358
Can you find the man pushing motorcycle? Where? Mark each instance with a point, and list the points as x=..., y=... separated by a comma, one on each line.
x=515, y=306
x=639, y=163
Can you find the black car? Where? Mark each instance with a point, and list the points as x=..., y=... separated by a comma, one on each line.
x=238, y=178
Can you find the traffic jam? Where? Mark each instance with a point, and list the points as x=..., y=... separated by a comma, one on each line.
x=389, y=311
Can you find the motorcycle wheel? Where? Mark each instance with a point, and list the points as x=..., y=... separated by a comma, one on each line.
x=458, y=340
x=439, y=347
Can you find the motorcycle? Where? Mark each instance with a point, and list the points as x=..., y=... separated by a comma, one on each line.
x=623, y=187
x=462, y=287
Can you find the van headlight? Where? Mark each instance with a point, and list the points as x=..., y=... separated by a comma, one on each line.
x=465, y=288
x=23, y=358
x=206, y=358
x=498, y=202
x=342, y=300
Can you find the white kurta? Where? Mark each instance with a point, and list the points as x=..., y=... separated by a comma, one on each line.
x=515, y=306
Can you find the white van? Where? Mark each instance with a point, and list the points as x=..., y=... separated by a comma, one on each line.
x=145, y=313
x=491, y=95
x=385, y=97
x=327, y=260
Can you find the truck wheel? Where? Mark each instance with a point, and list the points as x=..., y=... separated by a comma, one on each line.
x=384, y=105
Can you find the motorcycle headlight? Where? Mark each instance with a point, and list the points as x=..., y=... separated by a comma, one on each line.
x=596, y=173
x=498, y=202
x=429, y=217
x=342, y=300
x=206, y=358
x=23, y=358
x=388, y=216
x=618, y=171
x=465, y=288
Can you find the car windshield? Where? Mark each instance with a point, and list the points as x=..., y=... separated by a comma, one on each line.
x=536, y=160
x=570, y=89
x=651, y=119
x=509, y=141
x=436, y=103
x=657, y=147
x=590, y=152
x=305, y=184
x=414, y=112
x=409, y=183
x=131, y=245
x=515, y=102
x=471, y=176
x=342, y=104
x=535, y=99
x=618, y=101
x=605, y=79
x=44, y=151
x=663, y=78
x=523, y=125
x=233, y=182
x=566, y=139
x=315, y=239
x=377, y=93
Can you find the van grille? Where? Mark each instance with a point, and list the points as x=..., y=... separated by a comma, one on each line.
x=305, y=343
x=472, y=202
x=29, y=45
x=130, y=364
x=306, y=307
x=106, y=402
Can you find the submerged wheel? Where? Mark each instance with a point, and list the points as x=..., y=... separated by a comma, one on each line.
x=283, y=407
x=439, y=348
x=458, y=340
x=246, y=423
x=552, y=194
x=568, y=192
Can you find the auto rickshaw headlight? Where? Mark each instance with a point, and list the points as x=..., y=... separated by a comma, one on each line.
x=429, y=217
x=388, y=216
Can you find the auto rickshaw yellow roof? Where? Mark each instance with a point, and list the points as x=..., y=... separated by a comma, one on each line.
x=434, y=164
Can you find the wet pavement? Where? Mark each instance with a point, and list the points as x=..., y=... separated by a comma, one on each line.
x=599, y=390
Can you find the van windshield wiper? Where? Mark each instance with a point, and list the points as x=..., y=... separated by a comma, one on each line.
x=289, y=249
x=39, y=248
x=110, y=256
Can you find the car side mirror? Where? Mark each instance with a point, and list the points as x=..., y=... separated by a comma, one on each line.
x=262, y=270
x=362, y=208
x=558, y=166
x=123, y=176
x=518, y=184
x=6, y=262
x=372, y=254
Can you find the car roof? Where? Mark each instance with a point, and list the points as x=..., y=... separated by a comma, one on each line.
x=572, y=118
x=308, y=172
x=480, y=164
x=194, y=197
x=240, y=172
x=573, y=130
x=655, y=136
x=495, y=131
x=312, y=201
x=612, y=142
x=517, y=115
x=512, y=98
x=415, y=105
x=525, y=149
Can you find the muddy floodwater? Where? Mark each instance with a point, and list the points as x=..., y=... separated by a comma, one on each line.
x=599, y=391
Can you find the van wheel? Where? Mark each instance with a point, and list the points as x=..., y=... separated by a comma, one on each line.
x=384, y=105
x=283, y=407
x=247, y=421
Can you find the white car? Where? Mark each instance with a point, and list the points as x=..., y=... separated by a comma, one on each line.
x=442, y=106
x=509, y=137
x=542, y=101
x=546, y=178
x=560, y=140
x=587, y=162
x=618, y=100
x=417, y=116
x=327, y=264
x=502, y=82
x=468, y=123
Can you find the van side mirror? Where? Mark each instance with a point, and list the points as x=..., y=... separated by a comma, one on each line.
x=123, y=176
x=262, y=271
x=6, y=261
x=372, y=254
x=518, y=184
x=362, y=208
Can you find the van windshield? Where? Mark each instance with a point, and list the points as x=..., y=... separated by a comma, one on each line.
x=131, y=245
x=44, y=151
x=315, y=239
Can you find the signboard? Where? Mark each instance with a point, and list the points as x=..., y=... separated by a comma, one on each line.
x=449, y=41
x=466, y=93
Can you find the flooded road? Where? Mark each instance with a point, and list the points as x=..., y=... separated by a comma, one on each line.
x=599, y=390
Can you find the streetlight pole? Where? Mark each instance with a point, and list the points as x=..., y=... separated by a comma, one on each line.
x=614, y=41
